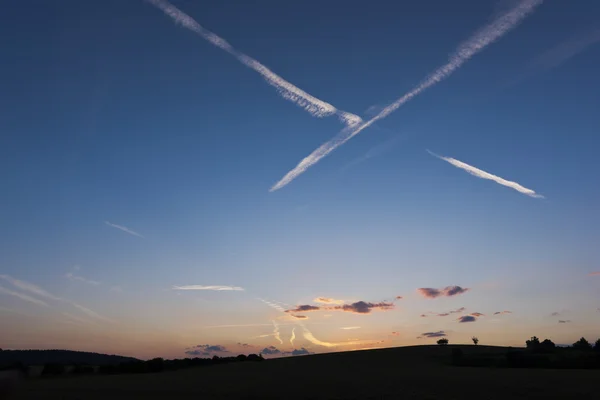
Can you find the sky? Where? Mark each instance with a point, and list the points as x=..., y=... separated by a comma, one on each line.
x=214, y=178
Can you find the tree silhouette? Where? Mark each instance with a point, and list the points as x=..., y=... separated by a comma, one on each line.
x=582, y=344
x=597, y=345
x=475, y=340
x=533, y=343
x=442, y=342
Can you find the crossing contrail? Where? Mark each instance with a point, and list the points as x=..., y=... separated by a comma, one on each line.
x=314, y=106
x=480, y=40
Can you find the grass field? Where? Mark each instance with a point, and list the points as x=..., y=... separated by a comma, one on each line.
x=417, y=372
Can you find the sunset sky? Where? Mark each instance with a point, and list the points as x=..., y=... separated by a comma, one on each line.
x=221, y=177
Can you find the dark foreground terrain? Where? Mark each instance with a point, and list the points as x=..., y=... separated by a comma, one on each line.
x=419, y=372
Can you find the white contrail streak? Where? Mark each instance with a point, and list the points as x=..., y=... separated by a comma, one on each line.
x=123, y=228
x=293, y=336
x=481, y=39
x=30, y=287
x=22, y=296
x=287, y=90
x=486, y=175
x=211, y=287
x=91, y=313
x=276, y=332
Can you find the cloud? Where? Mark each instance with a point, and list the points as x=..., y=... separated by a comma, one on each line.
x=555, y=314
x=271, y=350
x=395, y=333
x=290, y=92
x=502, y=312
x=304, y=308
x=350, y=327
x=567, y=49
x=362, y=307
x=300, y=316
x=433, y=334
x=276, y=332
x=123, y=228
x=293, y=336
x=327, y=300
x=466, y=318
x=476, y=43
x=300, y=352
x=359, y=307
x=91, y=313
x=30, y=287
x=22, y=296
x=444, y=314
x=595, y=273
x=72, y=277
x=448, y=291
x=478, y=314
x=213, y=287
x=564, y=321
x=399, y=297
x=205, y=350
x=486, y=175
x=245, y=345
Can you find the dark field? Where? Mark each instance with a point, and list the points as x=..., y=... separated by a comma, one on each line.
x=399, y=373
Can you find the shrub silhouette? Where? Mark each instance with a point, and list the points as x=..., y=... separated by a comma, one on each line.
x=442, y=342
x=475, y=340
x=533, y=343
x=582, y=344
x=597, y=345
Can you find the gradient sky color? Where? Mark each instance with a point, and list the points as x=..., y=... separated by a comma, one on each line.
x=136, y=159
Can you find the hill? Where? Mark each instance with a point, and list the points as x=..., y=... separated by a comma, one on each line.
x=66, y=357
x=417, y=372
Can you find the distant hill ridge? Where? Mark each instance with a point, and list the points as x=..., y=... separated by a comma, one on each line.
x=65, y=357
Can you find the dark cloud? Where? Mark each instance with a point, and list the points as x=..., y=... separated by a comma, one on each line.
x=478, y=314
x=244, y=345
x=433, y=334
x=399, y=297
x=300, y=316
x=304, y=308
x=300, y=352
x=467, y=318
x=445, y=314
x=362, y=307
x=271, y=350
x=448, y=291
x=564, y=321
x=555, y=314
x=274, y=351
x=502, y=312
x=205, y=350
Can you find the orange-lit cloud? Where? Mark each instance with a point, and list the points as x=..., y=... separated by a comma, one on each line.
x=300, y=316
x=327, y=300
x=595, y=273
x=444, y=314
x=477, y=314
x=350, y=327
x=448, y=291
x=502, y=312
x=399, y=297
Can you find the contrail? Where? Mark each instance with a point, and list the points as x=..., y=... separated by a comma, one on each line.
x=293, y=336
x=481, y=39
x=486, y=175
x=314, y=106
x=123, y=228
x=276, y=332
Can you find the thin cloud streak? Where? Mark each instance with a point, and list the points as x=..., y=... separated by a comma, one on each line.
x=276, y=332
x=30, y=287
x=72, y=277
x=124, y=229
x=22, y=296
x=213, y=287
x=91, y=313
x=293, y=336
x=350, y=327
x=481, y=39
x=486, y=175
x=314, y=106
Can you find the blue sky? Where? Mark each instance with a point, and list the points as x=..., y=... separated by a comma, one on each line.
x=114, y=115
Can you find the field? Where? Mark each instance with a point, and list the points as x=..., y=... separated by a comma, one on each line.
x=418, y=372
